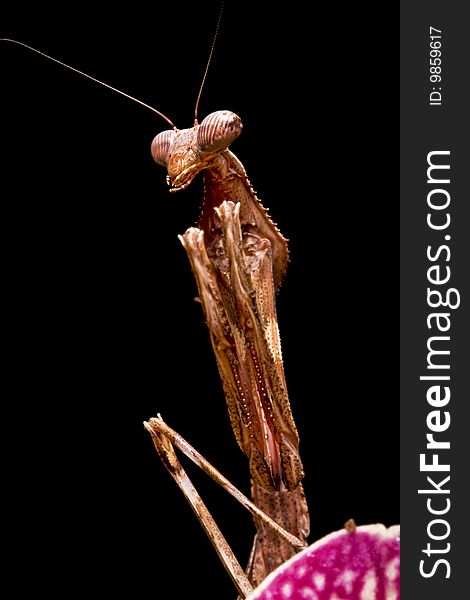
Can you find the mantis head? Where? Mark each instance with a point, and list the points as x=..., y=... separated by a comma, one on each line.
x=186, y=152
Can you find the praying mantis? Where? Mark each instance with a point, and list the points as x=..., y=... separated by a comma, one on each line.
x=162, y=220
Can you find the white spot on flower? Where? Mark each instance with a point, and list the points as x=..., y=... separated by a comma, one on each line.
x=392, y=568
x=318, y=581
x=301, y=571
x=392, y=571
x=345, y=580
x=307, y=592
x=286, y=590
x=369, y=587
x=391, y=593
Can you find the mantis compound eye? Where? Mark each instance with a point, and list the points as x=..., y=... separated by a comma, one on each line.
x=161, y=145
x=218, y=130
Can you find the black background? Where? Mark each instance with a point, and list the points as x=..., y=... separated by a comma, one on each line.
x=102, y=331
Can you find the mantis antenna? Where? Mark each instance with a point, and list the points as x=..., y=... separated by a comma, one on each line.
x=106, y=85
x=208, y=61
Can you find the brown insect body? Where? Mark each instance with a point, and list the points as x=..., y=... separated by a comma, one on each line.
x=239, y=259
